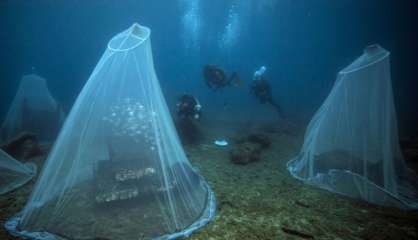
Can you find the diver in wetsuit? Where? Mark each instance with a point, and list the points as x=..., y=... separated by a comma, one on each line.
x=261, y=89
x=216, y=78
x=189, y=107
x=189, y=112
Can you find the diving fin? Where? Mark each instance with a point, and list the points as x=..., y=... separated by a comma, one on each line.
x=235, y=80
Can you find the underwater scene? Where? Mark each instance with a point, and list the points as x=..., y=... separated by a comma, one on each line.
x=208, y=119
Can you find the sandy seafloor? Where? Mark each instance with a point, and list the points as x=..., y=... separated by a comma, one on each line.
x=259, y=200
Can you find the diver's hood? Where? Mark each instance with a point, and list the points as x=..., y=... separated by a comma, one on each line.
x=260, y=72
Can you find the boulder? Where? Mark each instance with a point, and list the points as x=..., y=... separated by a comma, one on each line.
x=259, y=138
x=24, y=146
x=245, y=153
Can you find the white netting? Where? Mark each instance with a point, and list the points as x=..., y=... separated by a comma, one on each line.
x=117, y=170
x=33, y=110
x=13, y=173
x=351, y=145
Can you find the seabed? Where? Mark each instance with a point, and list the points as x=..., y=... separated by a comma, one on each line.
x=262, y=201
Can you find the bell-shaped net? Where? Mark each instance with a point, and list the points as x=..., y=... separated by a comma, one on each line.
x=351, y=144
x=32, y=110
x=117, y=170
x=13, y=173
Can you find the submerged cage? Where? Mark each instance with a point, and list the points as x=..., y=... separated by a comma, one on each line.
x=33, y=110
x=13, y=173
x=351, y=144
x=117, y=170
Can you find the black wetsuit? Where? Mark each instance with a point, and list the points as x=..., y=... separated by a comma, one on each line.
x=216, y=78
x=186, y=107
x=262, y=91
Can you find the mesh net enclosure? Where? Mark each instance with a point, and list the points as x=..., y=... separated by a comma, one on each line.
x=32, y=110
x=117, y=170
x=13, y=173
x=351, y=144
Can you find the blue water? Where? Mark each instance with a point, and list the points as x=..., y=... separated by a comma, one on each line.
x=304, y=43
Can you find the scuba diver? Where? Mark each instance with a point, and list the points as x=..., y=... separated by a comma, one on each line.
x=189, y=107
x=189, y=111
x=216, y=78
x=261, y=89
